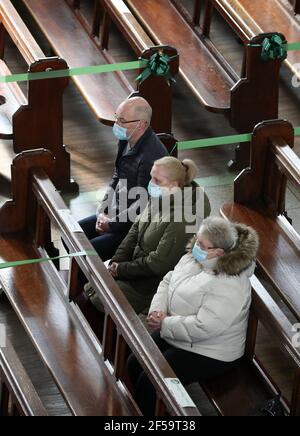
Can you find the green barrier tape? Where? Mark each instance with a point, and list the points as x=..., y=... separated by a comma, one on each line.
x=221, y=140
x=43, y=260
x=212, y=142
x=96, y=69
x=54, y=74
x=293, y=46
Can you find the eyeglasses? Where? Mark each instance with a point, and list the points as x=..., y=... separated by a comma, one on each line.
x=202, y=247
x=123, y=121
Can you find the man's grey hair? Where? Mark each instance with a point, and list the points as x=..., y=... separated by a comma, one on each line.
x=220, y=232
x=141, y=108
x=143, y=112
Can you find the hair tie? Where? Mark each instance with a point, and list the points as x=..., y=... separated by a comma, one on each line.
x=185, y=166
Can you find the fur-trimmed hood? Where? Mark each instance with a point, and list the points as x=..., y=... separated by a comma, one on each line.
x=241, y=257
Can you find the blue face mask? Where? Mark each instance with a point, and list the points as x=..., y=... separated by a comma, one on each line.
x=154, y=190
x=120, y=132
x=199, y=254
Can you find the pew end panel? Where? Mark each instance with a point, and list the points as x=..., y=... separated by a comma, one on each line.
x=13, y=214
x=158, y=91
x=248, y=108
x=46, y=122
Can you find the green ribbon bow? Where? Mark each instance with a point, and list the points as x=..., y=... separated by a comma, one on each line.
x=274, y=48
x=157, y=65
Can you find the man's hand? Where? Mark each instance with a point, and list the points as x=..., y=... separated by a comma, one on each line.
x=102, y=224
x=113, y=269
x=155, y=320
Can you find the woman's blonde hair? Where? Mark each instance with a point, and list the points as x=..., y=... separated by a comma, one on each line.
x=182, y=172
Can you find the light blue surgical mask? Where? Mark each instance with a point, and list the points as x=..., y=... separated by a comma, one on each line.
x=120, y=132
x=154, y=190
x=199, y=254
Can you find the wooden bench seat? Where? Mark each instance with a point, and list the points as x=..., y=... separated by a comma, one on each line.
x=18, y=396
x=252, y=17
x=103, y=92
x=244, y=99
x=58, y=337
x=279, y=253
x=260, y=202
x=199, y=68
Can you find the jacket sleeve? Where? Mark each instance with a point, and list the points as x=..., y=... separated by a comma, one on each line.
x=125, y=251
x=160, y=299
x=120, y=221
x=160, y=261
x=102, y=208
x=215, y=315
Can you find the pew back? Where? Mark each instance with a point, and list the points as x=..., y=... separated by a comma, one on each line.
x=103, y=93
x=42, y=301
x=42, y=107
x=260, y=193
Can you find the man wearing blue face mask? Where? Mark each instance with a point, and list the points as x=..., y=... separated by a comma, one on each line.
x=138, y=148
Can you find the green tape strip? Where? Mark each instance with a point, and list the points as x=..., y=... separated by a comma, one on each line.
x=54, y=74
x=213, y=142
x=47, y=259
x=221, y=140
x=96, y=69
x=293, y=46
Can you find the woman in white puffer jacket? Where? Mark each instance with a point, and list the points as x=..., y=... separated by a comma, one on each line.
x=200, y=311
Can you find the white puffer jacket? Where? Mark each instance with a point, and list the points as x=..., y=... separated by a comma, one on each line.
x=208, y=304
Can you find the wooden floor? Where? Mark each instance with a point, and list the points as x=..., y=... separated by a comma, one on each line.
x=93, y=152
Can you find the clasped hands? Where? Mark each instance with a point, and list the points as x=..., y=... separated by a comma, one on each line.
x=102, y=224
x=155, y=320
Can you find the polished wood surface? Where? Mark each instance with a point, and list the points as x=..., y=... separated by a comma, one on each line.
x=38, y=299
x=250, y=17
x=245, y=99
x=197, y=64
x=241, y=391
x=260, y=202
x=38, y=295
x=42, y=108
x=18, y=395
x=131, y=334
x=104, y=92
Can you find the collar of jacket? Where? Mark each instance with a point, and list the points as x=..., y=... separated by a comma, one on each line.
x=138, y=145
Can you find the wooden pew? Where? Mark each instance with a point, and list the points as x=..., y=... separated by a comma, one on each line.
x=245, y=100
x=17, y=394
x=249, y=386
x=249, y=18
x=103, y=93
x=79, y=365
x=37, y=118
x=259, y=201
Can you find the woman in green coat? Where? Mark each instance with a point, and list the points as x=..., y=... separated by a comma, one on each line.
x=158, y=238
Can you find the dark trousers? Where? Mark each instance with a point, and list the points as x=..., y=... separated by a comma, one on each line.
x=189, y=368
x=106, y=245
